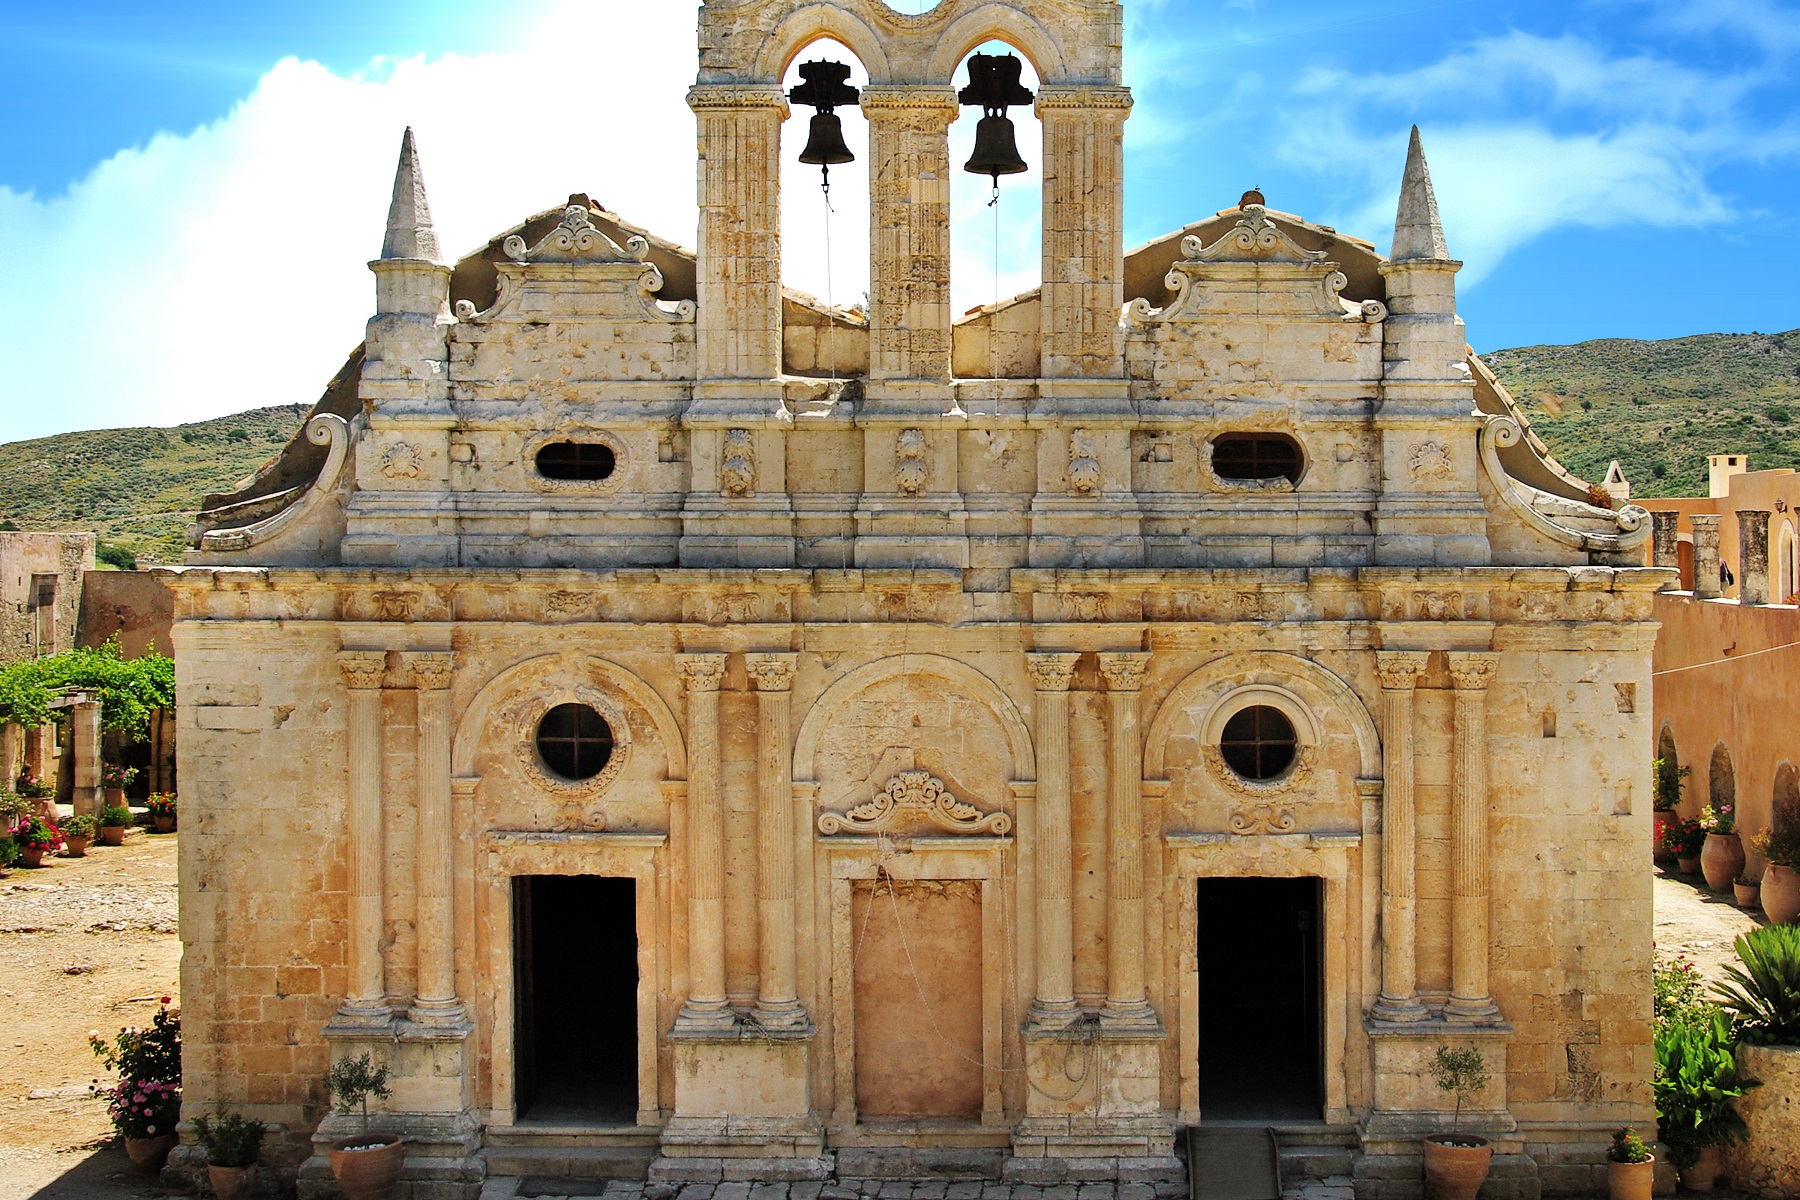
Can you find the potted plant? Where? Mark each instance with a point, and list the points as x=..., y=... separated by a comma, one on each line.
x=232, y=1143
x=1722, y=856
x=1684, y=840
x=1668, y=777
x=9, y=854
x=14, y=808
x=366, y=1166
x=161, y=809
x=1763, y=994
x=31, y=787
x=1630, y=1167
x=115, y=779
x=1456, y=1164
x=78, y=835
x=1746, y=892
x=1695, y=1082
x=1779, y=845
x=37, y=838
x=113, y=821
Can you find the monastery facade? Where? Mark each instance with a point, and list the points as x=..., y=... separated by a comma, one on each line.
x=1185, y=693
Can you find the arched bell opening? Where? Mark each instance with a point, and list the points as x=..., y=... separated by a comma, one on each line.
x=825, y=214
x=996, y=214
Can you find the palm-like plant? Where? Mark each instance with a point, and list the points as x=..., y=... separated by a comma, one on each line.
x=1695, y=1083
x=1764, y=992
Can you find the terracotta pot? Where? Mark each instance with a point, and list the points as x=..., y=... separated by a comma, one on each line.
x=31, y=856
x=1747, y=894
x=1705, y=1171
x=1781, y=894
x=76, y=847
x=148, y=1154
x=1631, y=1181
x=112, y=835
x=232, y=1183
x=1722, y=860
x=1688, y=866
x=1455, y=1172
x=115, y=797
x=1662, y=819
x=368, y=1174
x=163, y=824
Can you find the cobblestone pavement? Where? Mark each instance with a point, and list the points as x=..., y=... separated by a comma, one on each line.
x=892, y=1189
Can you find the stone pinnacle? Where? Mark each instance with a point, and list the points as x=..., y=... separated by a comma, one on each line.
x=1418, y=231
x=409, y=231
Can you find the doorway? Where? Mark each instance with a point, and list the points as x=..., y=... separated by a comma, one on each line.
x=576, y=999
x=1260, y=1002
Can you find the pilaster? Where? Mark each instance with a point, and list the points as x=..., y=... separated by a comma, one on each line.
x=436, y=1003
x=1399, y=672
x=1054, y=1006
x=365, y=1004
x=1470, y=1001
x=1126, y=1002
x=777, y=999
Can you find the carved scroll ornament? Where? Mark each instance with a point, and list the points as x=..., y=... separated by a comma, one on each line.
x=920, y=796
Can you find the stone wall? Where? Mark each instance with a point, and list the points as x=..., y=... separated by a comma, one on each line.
x=25, y=630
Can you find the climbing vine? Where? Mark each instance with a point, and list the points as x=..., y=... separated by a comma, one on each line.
x=129, y=689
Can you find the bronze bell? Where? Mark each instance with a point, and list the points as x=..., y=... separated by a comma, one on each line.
x=825, y=143
x=994, y=85
x=996, y=150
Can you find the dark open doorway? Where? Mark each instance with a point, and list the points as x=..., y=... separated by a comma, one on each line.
x=1260, y=1032
x=576, y=990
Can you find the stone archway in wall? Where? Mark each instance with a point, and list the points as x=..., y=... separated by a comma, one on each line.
x=914, y=766
x=1721, y=778
x=1668, y=778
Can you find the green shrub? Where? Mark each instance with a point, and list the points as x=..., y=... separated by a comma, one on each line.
x=1628, y=1147
x=229, y=1139
x=9, y=853
x=115, y=814
x=117, y=557
x=1696, y=1080
x=79, y=827
x=1678, y=991
x=1764, y=992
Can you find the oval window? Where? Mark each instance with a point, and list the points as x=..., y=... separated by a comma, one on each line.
x=575, y=741
x=576, y=460
x=1254, y=456
x=1258, y=742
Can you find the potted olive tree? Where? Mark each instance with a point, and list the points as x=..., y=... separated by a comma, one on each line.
x=1630, y=1167
x=1456, y=1163
x=366, y=1166
x=232, y=1143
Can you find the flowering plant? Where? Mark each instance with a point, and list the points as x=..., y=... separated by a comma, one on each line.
x=142, y=1108
x=29, y=786
x=1684, y=839
x=161, y=804
x=113, y=775
x=79, y=827
x=1719, y=818
x=38, y=834
x=138, y=1053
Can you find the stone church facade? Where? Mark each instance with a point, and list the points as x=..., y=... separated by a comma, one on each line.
x=1187, y=691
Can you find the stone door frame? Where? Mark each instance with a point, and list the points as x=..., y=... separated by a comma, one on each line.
x=1326, y=857
x=508, y=854
x=854, y=859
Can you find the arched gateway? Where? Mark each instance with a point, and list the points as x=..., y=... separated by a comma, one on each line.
x=665, y=758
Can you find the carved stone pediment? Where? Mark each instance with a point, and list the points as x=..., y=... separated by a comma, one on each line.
x=1255, y=238
x=914, y=798
x=576, y=240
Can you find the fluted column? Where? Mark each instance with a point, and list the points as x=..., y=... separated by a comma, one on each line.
x=366, y=1000
x=705, y=1007
x=1753, y=555
x=777, y=996
x=1126, y=1003
x=909, y=236
x=1399, y=671
x=435, y=1002
x=1469, y=1000
x=1084, y=230
x=1706, y=555
x=1051, y=674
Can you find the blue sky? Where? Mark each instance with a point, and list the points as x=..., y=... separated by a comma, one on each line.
x=190, y=192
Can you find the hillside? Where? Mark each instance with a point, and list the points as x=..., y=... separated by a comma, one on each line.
x=1658, y=407
x=1661, y=407
x=137, y=488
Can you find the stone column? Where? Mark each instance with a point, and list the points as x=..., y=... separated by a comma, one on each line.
x=777, y=995
x=909, y=234
x=1665, y=542
x=1470, y=1001
x=1399, y=671
x=366, y=1000
x=436, y=1002
x=12, y=754
x=705, y=1007
x=1125, y=999
x=1706, y=555
x=1084, y=230
x=1051, y=674
x=84, y=744
x=739, y=286
x=1753, y=555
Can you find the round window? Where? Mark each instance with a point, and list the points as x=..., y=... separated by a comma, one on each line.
x=574, y=741
x=590, y=461
x=1258, y=742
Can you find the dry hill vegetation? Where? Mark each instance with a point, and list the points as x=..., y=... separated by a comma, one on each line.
x=1658, y=407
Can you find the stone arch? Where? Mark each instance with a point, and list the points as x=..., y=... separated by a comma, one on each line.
x=1267, y=674
x=1670, y=772
x=812, y=23
x=958, y=675
x=535, y=672
x=997, y=22
x=1787, y=560
x=1721, y=778
x=1786, y=793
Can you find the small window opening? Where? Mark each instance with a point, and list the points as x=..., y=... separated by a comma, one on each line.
x=1258, y=742
x=576, y=460
x=1256, y=456
x=575, y=741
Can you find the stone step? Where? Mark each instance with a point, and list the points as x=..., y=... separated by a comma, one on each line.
x=1315, y=1162
x=571, y=1136
x=570, y=1162
x=910, y=1162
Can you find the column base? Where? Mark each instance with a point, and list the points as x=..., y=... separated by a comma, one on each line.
x=701, y=1018
x=1125, y=1020
x=352, y=1018
x=784, y=1018
x=1407, y=1011
x=1050, y=1018
x=1480, y=1011
x=438, y=1014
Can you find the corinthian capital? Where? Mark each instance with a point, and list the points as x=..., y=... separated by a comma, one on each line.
x=363, y=669
x=701, y=672
x=432, y=670
x=1472, y=671
x=771, y=672
x=1051, y=672
x=1400, y=669
x=1124, y=672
